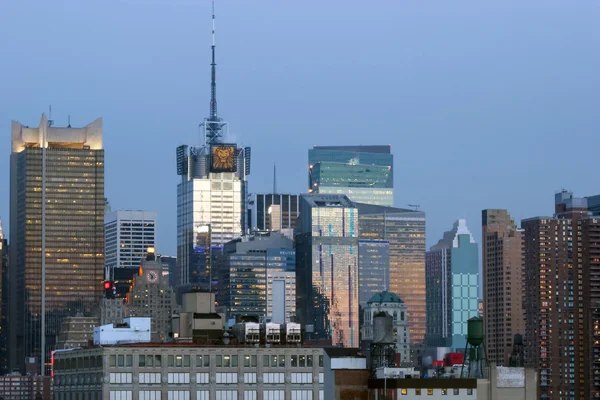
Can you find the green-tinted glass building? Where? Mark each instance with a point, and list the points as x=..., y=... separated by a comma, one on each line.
x=452, y=279
x=363, y=173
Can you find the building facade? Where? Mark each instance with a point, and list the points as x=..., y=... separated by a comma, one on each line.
x=502, y=262
x=562, y=274
x=151, y=296
x=373, y=268
x=57, y=231
x=4, y=301
x=76, y=332
x=154, y=372
x=127, y=235
x=256, y=277
x=405, y=232
x=268, y=209
x=363, y=173
x=392, y=305
x=327, y=268
x=452, y=269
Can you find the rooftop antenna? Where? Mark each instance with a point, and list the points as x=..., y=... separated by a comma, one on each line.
x=415, y=207
x=68, y=126
x=213, y=125
x=50, y=121
x=274, y=178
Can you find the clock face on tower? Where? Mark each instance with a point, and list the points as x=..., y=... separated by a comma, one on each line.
x=152, y=276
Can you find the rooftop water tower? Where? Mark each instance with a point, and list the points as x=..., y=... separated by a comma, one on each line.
x=475, y=361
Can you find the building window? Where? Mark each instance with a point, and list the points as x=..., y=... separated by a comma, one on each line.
x=470, y=392
x=120, y=378
x=202, y=361
x=430, y=392
x=149, y=395
x=226, y=395
x=301, y=377
x=178, y=395
x=274, y=395
x=149, y=378
x=418, y=392
x=444, y=392
x=202, y=377
x=404, y=392
x=456, y=392
x=302, y=394
x=250, y=377
x=120, y=395
x=320, y=361
x=226, y=377
x=178, y=378
x=112, y=361
x=294, y=362
x=276, y=377
x=202, y=395
x=250, y=395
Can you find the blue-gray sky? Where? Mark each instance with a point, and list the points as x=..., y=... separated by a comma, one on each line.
x=486, y=104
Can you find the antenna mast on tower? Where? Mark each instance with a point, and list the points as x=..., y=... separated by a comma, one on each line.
x=213, y=125
x=274, y=178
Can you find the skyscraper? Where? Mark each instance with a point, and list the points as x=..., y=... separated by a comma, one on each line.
x=4, y=299
x=248, y=273
x=212, y=192
x=57, y=231
x=452, y=267
x=363, y=173
x=269, y=208
x=502, y=260
x=373, y=268
x=562, y=276
x=405, y=231
x=327, y=268
x=151, y=296
x=127, y=236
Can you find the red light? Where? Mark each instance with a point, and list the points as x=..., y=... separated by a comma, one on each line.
x=107, y=285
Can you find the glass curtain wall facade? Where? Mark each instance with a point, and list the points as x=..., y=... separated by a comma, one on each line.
x=246, y=271
x=57, y=232
x=327, y=268
x=373, y=268
x=261, y=210
x=405, y=232
x=363, y=173
x=205, y=197
x=452, y=287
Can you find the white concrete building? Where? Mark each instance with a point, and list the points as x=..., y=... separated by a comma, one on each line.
x=133, y=330
x=281, y=295
x=127, y=235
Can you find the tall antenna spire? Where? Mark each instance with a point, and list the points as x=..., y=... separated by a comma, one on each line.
x=213, y=125
x=213, y=82
x=274, y=178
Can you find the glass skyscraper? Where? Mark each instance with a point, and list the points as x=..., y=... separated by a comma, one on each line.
x=363, y=173
x=373, y=268
x=57, y=232
x=327, y=268
x=405, y=231
x=452, y=267
x=211, y=203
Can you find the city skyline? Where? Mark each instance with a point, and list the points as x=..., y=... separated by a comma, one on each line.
x=538, y=113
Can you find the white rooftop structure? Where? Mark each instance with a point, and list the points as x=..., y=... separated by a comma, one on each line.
x=133, y=330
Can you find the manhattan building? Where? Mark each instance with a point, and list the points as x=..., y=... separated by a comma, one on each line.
x=393, y=306
x=127, y=235
x=211, y=196
x=452, y=268
x=405, y=231
x=151, y=296
x=274, y=212
x=373, y=268
x=502, y=261
x=57, y=231
x=327, y=268
x=4, y=299
x=363, y=173
x=562, y=276
x=257, y=277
